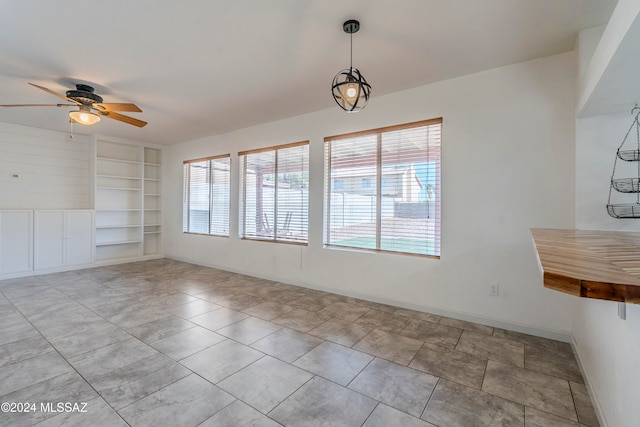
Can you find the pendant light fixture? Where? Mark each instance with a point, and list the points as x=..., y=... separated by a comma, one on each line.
x=350, y=89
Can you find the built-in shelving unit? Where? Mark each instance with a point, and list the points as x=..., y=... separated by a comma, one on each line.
x=152, y=200
x=127, y=200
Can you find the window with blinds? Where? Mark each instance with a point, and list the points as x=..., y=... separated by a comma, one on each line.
x=274, y=200
x=382, y=189
x=206, y=196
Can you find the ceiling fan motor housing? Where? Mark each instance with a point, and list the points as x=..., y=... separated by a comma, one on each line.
x=84, y=95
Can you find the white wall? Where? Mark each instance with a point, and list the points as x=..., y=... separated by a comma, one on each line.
x=54, y=170
x=508, y=166
x=608, y=347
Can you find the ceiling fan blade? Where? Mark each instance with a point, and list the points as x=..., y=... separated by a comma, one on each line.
x=55, y=93
x=123, y=118
x=37, y=105
x=117, y=106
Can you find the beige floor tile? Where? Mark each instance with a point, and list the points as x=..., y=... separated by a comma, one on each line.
x=584, y=408
x=313, y=302
x=454, y=404
x=187, y=402
x=420, y=315
x=432, y=333
x=395, y=385
x=334, y=362
x=249, y=330
x=68, y=387
x=525, y=338
x=536, y=418
x=217, y=319
x=385, y=416
x=469, y=326
x=193, y=309
x=453, y=365
x=323, y=403
x=557, y=363
x=186, y=343
x=239, y=414
x=23, y=349
x=160, y=329
x=341, y=331
x=287, y=344
x=299, y=319
x=549, y=394
x=128, y=384
x=265, y=383
x=221, y=360
x=343, y=311
x=500, y=349
x=268, y=310
x=392, y=347
x=384, y=320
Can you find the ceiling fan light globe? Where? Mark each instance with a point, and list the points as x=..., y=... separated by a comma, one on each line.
x=84, y=117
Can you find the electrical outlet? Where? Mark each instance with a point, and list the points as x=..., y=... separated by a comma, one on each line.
x=494, y=290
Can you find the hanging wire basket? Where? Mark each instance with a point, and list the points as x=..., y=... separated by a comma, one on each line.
x=625, y=185
x=629, y=155
x=628, y=185
x=624, y=211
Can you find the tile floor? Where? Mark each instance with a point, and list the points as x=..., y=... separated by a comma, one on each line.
x=166, y=343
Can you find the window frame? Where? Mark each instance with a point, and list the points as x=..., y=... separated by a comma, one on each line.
x=242, y=217
x=329, y=181
x=186, y=203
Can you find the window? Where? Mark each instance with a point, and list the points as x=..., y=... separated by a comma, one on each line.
x=206, y=196
x=274, y=200
x=399, y=208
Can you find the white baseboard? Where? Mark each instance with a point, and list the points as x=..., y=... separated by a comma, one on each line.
x=62, y=269
x=586, y=374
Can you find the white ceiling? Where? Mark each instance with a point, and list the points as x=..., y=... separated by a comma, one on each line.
x=203, y=67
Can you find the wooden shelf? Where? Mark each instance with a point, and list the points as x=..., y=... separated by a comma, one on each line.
x=590, y=264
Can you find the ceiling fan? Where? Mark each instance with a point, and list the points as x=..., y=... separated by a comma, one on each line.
x=90, y=106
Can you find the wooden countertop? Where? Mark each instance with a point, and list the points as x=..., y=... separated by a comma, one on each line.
x=590, y=264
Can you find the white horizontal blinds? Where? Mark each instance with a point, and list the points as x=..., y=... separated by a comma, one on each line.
x=292, y=194
x=383, y=189
x=352, y=201
x=275, y=199
x=220, y=189
x=409, y=168
x=207, y=188
x=197, y=198
x=259, y=203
